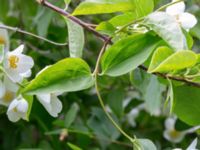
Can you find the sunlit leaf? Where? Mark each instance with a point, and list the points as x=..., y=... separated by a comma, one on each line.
x=70, y=74
x=127, y=54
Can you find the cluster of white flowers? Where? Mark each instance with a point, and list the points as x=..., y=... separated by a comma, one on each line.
x=185, y=19
x=15, y=67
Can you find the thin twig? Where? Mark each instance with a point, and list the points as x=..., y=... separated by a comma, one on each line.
x=74, y=19
x=15, y=29
x=166, y=76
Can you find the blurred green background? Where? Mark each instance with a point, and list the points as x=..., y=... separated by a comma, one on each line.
x=82, y=122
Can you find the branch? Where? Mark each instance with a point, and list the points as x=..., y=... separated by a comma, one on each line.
x=74, y=19
x=165, y=76
x=30, y=34
x=108, y=39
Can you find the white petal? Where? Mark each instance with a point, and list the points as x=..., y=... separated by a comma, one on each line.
x=170, y=123
x=13, y=104
x=12, y=116
x=56, y=106
x=22, y=106
x=4, y=36
x=14, y=76
x=187, y=20
x=18, y=50
x=25, y=63
x=44, y=98
x=10, y=85
x=26, y=74
x=176, y=9
x=193, y=145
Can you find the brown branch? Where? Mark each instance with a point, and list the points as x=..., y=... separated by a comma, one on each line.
x=74, y=19
x=107, y=40
x=165, y=76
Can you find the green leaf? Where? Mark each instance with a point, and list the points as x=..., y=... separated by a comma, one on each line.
x=127, y=54
x=103, y=6
x=67, y=75
x=71, y=115
x=29, y=99
x=177, y=61
x=73, y=147
x=75, y=38
x=186, y=104
x=168, y=29
x=146, y=144
x=159, y=56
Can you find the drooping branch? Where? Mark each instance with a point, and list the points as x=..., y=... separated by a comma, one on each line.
x=74, y=19
x=108, y=39
x=15, y=29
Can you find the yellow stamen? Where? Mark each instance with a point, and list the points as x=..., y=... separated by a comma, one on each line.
x=8, y=97
x=2, y=40
x=13, y=60
x=174, y=134
x=15, y=109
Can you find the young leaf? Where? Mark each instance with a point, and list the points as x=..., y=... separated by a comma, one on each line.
x=139, y=7
x=75, y=38
x=168, y=29
x=177, y=61
x=159, y=56
x=103, y=6
x=186, y=104
x=73, y=147
x=127, y=54
x=70, y=74
x=29, y=99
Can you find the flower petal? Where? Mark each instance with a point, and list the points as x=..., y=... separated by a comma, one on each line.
x=56, y=106
x=22, y=106
x=170, y=123
x=17, y=51
x=187, y=20
x=13, y=75
x=4, y=38
x=25, y=63
x=12, y=116
x=176, y=9
x=27, y=74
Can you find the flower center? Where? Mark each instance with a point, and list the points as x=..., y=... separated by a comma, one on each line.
x=8, y=97
x=2, y=40
x=174, y=134
x=13, y=60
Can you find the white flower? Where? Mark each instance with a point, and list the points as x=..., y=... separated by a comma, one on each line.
x=17, y=65
x=4, y=38
x=186, y=20
x=174, y=136
x=17, y=109
x=51, y=103
x=8, y=91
